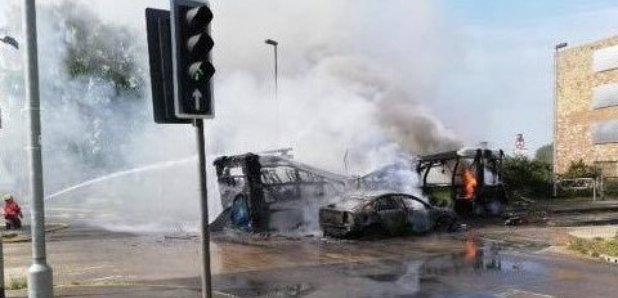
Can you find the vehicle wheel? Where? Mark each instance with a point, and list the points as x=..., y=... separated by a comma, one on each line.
x=333, y=234
x=375, y=230
x=446, y=224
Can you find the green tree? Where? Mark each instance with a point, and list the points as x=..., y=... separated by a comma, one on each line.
x=526, y=177
x=99, y=50
x=545, y=153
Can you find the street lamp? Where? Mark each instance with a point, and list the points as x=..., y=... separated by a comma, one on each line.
x=274, y=44
x=553, y=166
x=10, y=41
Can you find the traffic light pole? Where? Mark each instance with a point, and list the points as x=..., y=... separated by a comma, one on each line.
x=201, y=152
x=40, y=280
x=188, y=70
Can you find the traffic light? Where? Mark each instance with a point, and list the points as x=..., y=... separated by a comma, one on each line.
x=193, y=70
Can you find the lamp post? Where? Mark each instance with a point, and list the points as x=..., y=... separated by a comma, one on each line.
x=274, y=43
x=12, y=42
x=553, y=166
x=40, y=278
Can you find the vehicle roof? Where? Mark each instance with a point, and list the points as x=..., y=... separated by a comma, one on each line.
x=370, y=195
x=355, y=200
x=468, y=152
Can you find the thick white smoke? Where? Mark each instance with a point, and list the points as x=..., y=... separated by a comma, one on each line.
x=354, y=77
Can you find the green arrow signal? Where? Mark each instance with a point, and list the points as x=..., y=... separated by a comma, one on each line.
x=195, y=71
x=198, y=70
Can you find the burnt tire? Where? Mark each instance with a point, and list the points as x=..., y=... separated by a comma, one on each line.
x=374, y=231
x=446, y=224
x=335, y=233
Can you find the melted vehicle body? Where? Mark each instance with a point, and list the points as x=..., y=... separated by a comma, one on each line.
x=392, y=213
x=468, y=180
x=266, y=192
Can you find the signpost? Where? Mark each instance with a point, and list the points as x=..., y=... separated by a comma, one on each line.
x=179, y=47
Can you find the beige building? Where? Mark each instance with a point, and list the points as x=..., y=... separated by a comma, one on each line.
x=587, y=106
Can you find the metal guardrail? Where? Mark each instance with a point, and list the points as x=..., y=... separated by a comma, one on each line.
x=571, y=184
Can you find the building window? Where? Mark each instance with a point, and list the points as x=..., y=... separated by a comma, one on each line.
x=605, y=96
x=605, y=132
x=605, y=59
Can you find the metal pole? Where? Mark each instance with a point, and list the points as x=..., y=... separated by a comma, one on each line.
x=553, y=163
x=40, y=279
x=2, y=294
x=10, y=41
x=554, y=175
x=278, y=120
x=594, y=189
x=276, y=73
x=274, y=43
x=201, y=151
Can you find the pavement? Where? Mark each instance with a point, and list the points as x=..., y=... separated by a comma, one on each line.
x=123, y=291
x=580, y=205
x=579, y=212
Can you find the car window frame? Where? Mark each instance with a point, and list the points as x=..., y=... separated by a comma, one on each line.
x=394, y=200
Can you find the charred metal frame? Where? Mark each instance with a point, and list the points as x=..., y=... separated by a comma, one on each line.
x=480, y=159
x=268, y=182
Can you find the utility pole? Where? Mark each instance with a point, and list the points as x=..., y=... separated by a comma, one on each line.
x=40, y=278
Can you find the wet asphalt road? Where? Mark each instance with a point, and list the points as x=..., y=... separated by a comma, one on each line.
x=421, y=266
x=495, y=273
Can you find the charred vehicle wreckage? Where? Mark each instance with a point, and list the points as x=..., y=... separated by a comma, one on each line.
x=468, y=180
x=390, y=213
x=274, y=193
x=268, y=192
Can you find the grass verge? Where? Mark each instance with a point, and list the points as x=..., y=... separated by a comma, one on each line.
x=17, y=283
x=595, y=247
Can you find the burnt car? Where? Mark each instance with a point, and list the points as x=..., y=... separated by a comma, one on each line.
x=389, y=213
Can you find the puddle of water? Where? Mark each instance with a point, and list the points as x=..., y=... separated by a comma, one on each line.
x=395, y=269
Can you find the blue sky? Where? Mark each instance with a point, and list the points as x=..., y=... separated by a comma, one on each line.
x=500, y=80
x=499, y=77
x=504, y=82
x=503, y=12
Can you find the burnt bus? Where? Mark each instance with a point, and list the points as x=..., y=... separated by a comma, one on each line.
x=468, y=180
x=262, y=193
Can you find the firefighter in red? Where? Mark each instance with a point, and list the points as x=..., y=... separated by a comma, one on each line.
x=12, y=213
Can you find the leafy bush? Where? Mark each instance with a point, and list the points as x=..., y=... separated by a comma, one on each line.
x=525, y=177
x=610, y=186
x=440, y=196
x=579, y=169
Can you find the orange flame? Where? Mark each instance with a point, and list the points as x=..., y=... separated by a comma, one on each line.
x=469, y=184
x=471, y=248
